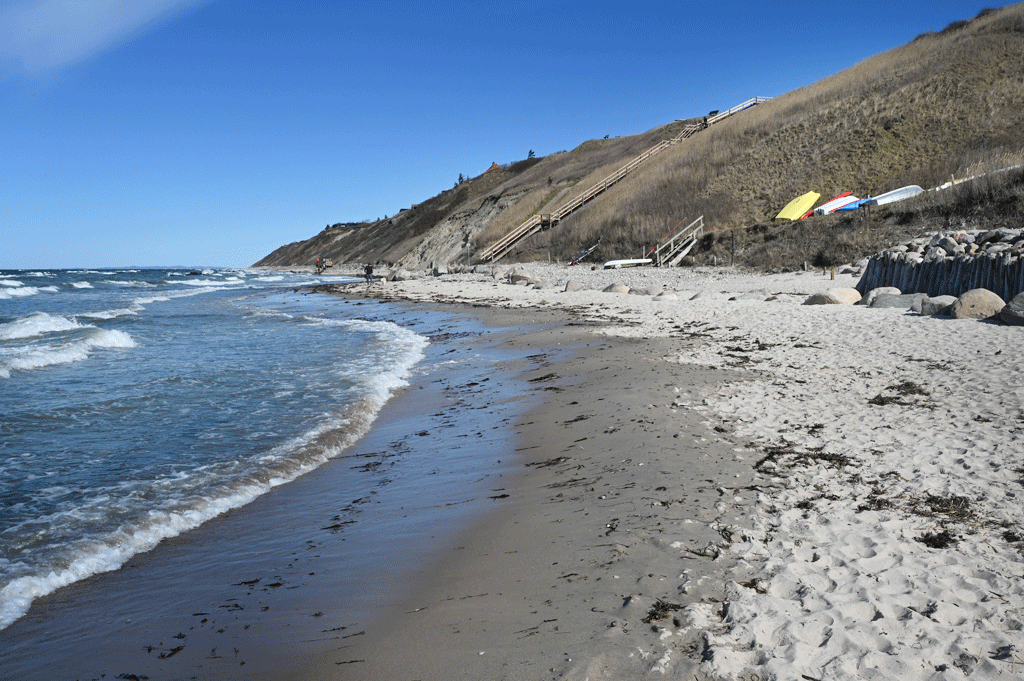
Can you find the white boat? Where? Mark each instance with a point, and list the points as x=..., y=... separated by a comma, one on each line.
x=835, y=204
x=616, y=264
x=894, y=196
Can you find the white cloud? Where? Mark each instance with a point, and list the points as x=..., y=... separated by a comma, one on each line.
x=43, y=35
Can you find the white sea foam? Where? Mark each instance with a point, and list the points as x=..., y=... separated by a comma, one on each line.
x=130, y=283
x=212, y=282
x=79, y=284
x=36, y=324
x=10, y=282
x=40, y=356
x=7, y=292
x=280, y=465
x=111, y=314
x=172, y=295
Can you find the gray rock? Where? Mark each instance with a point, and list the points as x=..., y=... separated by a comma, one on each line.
x=948, y=244
x=904, y=301
x=846, y=295
x=822, y=299
x=1013, y=313
x=542, y=285
x=640, y=291
x=617, y=287
x=939, y=305
x=401, y=274
x=978, y=303
x=881, y=290
x=520, y=280
x=665, y=296
x=756, y=294
x=572, y=285
x=698, y=294
x=438, y=271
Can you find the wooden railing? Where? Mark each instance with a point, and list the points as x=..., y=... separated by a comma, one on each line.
x=534, y=224
x=674, y=247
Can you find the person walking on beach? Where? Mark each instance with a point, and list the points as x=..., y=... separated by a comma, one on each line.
x=368, y=272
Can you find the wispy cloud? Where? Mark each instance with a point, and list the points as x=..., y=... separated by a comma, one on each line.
x=37, y=36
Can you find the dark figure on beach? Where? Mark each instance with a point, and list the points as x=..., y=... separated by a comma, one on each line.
x=368, y=271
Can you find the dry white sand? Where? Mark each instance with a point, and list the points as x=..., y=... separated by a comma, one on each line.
x=885, y=539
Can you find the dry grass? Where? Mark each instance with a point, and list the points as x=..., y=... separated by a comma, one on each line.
x=949, y=103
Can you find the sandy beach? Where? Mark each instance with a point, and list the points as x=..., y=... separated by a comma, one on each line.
x=725, y=483
x=701, y=479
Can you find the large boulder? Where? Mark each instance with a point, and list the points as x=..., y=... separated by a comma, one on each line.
x=573, y=285
x=835, y=296
x=666, y=296
x=617, y=287
x=931, y=306
x=978, y=303
x=401, y=274
x=880, y=291
x=846, y=296
x=757, y=294
x=822, y=299
x=904, y=301
x=1013, y=313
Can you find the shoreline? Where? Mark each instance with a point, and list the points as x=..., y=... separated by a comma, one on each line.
x=881, y=535
x=557, y=582
x=241, y=595
x=711, y=483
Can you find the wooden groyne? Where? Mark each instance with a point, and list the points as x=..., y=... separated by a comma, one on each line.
x=950, y=264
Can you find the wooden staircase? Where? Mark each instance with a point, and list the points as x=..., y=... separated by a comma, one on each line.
x=674, y=247
x=536, y=223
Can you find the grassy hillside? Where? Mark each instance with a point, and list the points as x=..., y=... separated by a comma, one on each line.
x=946, y=105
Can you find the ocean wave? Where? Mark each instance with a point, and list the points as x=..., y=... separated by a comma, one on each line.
x=40, y=356
x=79, y=284
x=111, y=314
x=11, y=282
x=170, y=295
x=36, y=324
x=283, y=463
x=7, y=293
x=212, y=282
x=130, y=283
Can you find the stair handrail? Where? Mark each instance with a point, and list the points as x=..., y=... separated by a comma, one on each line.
x=668, y=244
x=524, y=229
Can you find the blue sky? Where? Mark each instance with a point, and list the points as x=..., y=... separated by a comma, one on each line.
x=184, y=132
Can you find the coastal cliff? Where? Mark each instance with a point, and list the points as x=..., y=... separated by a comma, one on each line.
x=946, y=106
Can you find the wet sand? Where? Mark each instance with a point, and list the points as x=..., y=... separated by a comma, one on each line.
x=616, y=498
x=253, y=593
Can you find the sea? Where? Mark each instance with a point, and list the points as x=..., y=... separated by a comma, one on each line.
x=138, y=404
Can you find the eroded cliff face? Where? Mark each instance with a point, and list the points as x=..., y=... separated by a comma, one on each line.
x=454, y=240
x=398, y=241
